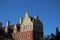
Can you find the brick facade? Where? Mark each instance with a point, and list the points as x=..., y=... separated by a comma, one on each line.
x=23, y=35
x=28, y=28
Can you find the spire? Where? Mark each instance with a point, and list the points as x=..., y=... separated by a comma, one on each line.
x=26, y=14
x=36, y=17
x=21, y=20
x=6, y=28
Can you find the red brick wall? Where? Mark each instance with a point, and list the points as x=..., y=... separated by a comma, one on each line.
x=17, y=35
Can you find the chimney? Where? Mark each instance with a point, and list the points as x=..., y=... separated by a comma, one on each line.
x=0, y=25
x=8, y=23
x=21, y=19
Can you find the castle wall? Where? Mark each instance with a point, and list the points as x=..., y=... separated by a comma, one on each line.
x=28, y=35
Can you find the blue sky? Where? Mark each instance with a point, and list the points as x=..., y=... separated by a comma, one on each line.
x=48, y=11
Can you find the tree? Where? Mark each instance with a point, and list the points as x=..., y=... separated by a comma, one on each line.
x=57, y=31
x=57, y=34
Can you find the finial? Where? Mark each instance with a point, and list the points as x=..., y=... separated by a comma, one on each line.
x=21, y=20
x=26, y=14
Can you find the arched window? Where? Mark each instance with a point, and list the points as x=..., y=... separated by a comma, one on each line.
x=24, y=37
x=20, y=37
x=28, y=35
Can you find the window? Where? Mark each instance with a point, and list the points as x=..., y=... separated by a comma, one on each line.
x=26, y=27
x=28, y=35
x=20, y=37
x=24, y=36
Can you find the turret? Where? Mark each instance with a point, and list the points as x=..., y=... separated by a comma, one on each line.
x=36, y=17
x=7, y=25
x=21, y=20
x=15, y=29
x=26, y=14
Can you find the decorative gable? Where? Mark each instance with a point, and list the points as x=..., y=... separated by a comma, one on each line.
x=27, y=23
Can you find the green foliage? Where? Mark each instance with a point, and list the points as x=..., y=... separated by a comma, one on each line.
x=4, y=38
x=57, y=31
x=52, y=36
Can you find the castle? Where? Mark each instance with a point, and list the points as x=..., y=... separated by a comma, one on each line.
x=28, y=28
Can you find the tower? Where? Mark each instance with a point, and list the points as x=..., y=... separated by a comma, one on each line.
x=7, y=25
x=34, y=29
x=37, y=28
x=21, y=20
